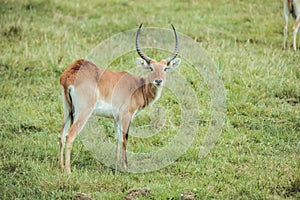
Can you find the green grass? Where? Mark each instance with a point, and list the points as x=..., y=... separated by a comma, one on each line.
x=255, y=157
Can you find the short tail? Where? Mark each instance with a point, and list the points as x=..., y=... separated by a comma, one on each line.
x=69, y=111
x=71, y=97
x=292, y=9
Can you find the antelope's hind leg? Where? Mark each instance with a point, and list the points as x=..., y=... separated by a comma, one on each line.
x=83, y=106
x=75, y=129
x=64, y=128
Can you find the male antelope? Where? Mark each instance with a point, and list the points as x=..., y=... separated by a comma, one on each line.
x=291, y=7
x=88, y=89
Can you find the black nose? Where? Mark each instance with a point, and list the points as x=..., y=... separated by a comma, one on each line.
x=158, y=81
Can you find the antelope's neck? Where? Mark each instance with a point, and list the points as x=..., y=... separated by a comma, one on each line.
x=150, y=93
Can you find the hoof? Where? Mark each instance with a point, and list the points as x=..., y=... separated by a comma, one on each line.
x=125, y=166
x=68, y=171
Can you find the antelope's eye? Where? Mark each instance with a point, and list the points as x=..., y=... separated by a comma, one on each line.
x=166, y=68
x=151, y=69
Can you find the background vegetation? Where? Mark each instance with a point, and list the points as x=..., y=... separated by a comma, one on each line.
x=257, y=154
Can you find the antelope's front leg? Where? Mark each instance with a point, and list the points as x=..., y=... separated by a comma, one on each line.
x=118, y=139
x=126, y=119
x=124, y=156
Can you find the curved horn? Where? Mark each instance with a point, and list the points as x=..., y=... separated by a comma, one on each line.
x=138, y=49
x=174, y=54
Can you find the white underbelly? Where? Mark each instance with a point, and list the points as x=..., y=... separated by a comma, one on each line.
x=104, y=109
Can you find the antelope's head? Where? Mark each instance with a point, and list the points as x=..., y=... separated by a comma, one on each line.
x=157, y=70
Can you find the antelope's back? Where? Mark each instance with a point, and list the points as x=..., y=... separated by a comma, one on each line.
x=79, y=72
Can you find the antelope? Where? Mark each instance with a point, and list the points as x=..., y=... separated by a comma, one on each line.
x=291, y=7
x=88, y=89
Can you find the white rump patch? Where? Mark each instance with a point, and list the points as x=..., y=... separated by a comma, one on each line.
x=66, y=116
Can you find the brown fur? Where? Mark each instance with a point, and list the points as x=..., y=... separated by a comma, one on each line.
x=83, y=68
x=122, y=90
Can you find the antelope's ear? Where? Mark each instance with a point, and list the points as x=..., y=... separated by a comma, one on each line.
x=143, y=64
x=174, y=63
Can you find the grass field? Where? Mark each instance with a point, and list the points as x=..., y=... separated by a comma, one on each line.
x=257, y=155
